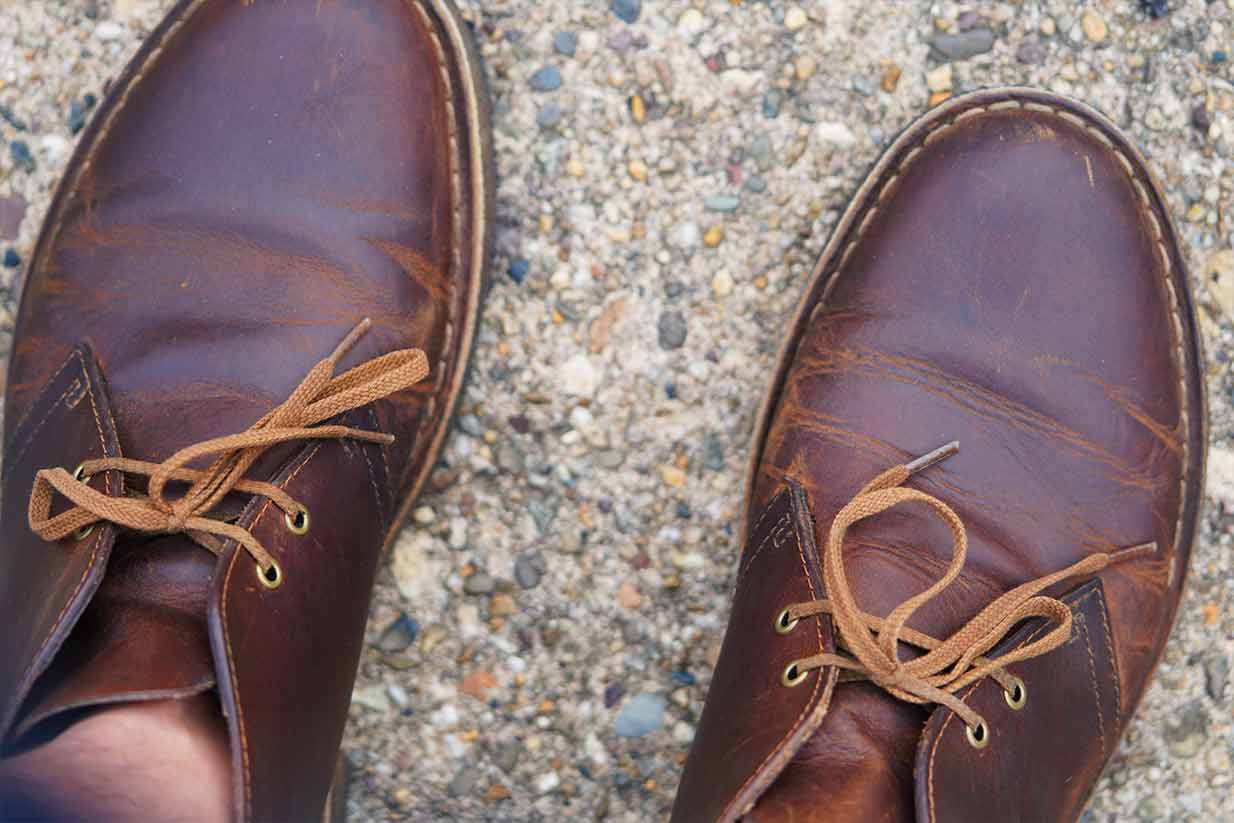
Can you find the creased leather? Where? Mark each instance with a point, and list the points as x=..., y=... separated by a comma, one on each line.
x=1008, y=277
x=45, y=586
x=261, y=177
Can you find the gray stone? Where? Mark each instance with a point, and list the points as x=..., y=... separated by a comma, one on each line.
x=672, y=330
x=545, y=79
x=549, y=115
x=479, y=583
x=464, y=782
x=722, y=203
x=1186, y=732
x=398, y=635
x=963, y=45
x=565, y=42
x=627, y=10
x=642, y=715
x=529, y=568
x=1216, y=676
x=1031, y=51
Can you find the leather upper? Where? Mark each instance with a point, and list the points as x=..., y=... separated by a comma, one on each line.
x=1007, y=277
x=260, y=179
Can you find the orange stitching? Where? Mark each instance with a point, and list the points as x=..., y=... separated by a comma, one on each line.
x=231, y=659
x=1109, y=639
x=98, y=540
x=43, y=393
x=818, y=682
x=1092, y=669
x=947, y=720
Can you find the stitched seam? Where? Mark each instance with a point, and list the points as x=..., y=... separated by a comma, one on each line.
x=1092, y=670
x=766, y=512
x=783, y=521
x=1147, y=215
x=1109, y=639
x=456, y=201
x=947, y=720
x=74, y=355
x=372, y=479
x=231, y=658
x=818, y=682
x=98, y=540
x=25, y=447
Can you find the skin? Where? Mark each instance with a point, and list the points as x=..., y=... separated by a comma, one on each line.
x=117, y=764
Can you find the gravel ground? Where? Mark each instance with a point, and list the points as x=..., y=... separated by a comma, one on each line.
x=541, y=644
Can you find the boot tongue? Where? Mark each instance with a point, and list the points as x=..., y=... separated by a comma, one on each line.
x=142, y=637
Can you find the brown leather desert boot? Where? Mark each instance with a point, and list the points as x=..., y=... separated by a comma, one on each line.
x=938, y=632
x=242, y=334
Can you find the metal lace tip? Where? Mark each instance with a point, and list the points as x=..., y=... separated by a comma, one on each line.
x=937, y=456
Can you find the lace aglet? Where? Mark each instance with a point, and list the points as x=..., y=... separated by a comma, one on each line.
x=350, y=340
x=937, y=456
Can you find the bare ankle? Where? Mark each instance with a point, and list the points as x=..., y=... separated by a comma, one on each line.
x=148, y=761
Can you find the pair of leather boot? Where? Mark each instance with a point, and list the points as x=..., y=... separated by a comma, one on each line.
x=973, y=487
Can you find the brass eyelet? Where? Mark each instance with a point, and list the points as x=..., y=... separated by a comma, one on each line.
x=978, y=737
x=784, y=625
x=793, y=675
x=272, y=577
x=83, y=532
x=297, y=523
x=79, y=473
x=1017, y=697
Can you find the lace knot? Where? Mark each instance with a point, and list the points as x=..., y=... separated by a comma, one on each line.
x=320, y=396
x=943, y=667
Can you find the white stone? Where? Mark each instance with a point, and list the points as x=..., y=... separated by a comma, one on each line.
x=1221, y=473
x=691, y=22
x=546, y=782
x=417, y=569
x=834, y=134
x=722, y=283
x=940, y=78
x=795, y=19
x=579, y=377
x=108, y=30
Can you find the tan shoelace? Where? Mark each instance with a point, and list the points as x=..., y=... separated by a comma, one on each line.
x=946, y=666
x=321, y=396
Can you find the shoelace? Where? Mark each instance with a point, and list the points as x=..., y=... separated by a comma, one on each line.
x=321, y=396
x=945, y=666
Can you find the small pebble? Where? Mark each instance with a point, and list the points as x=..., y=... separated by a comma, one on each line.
x=1031, y=52
x=545, y=79
x=21, y=155
x=479, y=583
x=108, y=30
x=1094, y=26
x=549, y=115
x=722, y=203
x=627, y=10
x=399, y=635
x=804, y=67
x=518, y=270
x=964, y=45
x=642, y=715
x=529, y=568
x=672, y=330
x=795, y=19
x=565, y=42
x=891, y=77
x=939, y=79
x=11, y=259
x=772, y=101
x=722, y=283
x=713, y=237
